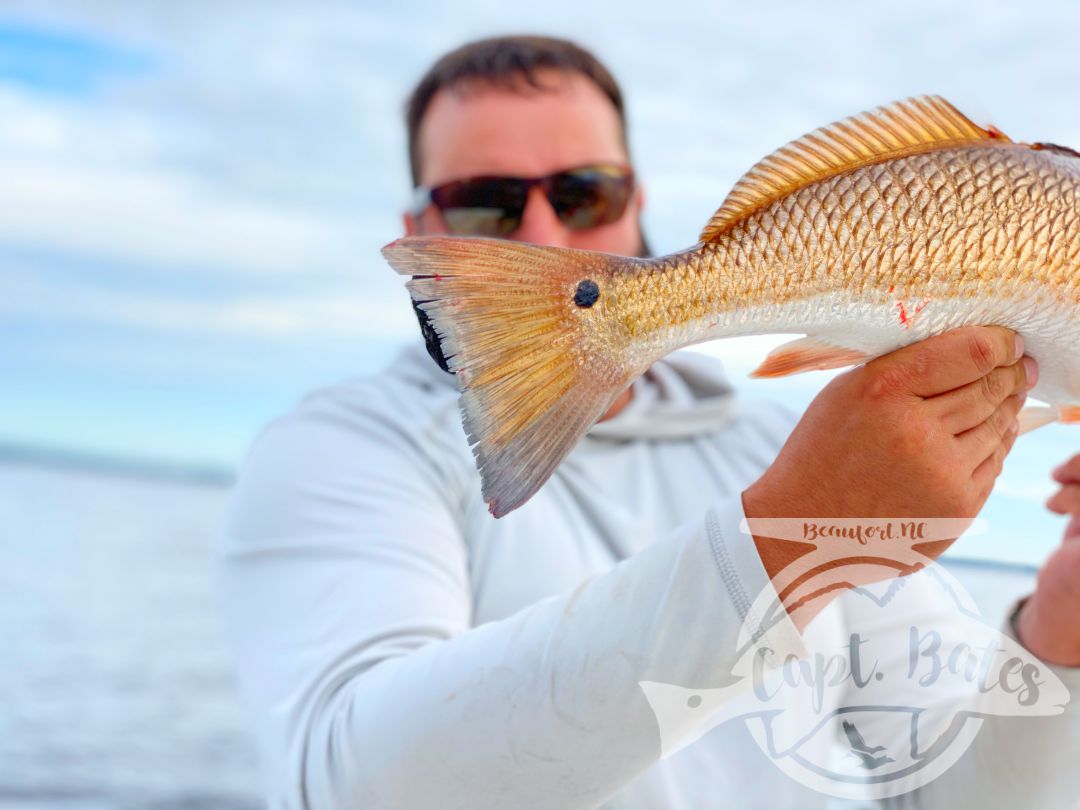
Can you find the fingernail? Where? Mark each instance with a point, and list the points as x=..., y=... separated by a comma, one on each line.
x=1019, y=344
x=1031, y=371
x=1014, y=427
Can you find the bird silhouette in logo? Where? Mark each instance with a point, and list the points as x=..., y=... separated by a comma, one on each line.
x=864, y=752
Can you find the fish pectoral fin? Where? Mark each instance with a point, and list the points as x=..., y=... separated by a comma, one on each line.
x=1036, y=416
x=1033, y=417
x=808, y=354
x=1069, y=414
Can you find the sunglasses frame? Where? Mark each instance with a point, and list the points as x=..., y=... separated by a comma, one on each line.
x=424, y=196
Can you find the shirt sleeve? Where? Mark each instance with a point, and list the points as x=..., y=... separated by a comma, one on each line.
x=347, y=598
x=1014, y=761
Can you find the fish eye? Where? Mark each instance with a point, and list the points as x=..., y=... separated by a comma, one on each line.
x=587, y=293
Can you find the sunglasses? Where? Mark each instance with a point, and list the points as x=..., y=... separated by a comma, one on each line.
x=584, y=197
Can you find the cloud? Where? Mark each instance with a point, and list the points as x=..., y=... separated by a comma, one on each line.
x=347, y=315
x=159, y=218
x=252, y=167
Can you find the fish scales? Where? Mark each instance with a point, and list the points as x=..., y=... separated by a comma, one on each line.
x=956, y=224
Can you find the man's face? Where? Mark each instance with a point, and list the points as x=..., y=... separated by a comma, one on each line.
x=493, y=131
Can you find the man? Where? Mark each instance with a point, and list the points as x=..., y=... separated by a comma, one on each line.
x=401, y=649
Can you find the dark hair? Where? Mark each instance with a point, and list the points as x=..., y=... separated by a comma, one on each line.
x=507, y=62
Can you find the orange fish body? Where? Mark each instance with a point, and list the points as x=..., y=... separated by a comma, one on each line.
x=866, y=235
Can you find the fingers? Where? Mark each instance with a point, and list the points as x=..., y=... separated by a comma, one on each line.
x=990, y=468
x=1072, y=531
x=1066, y=501
x=974, y=403
x=989, y=442
x=1069, y=472
x=953, y=359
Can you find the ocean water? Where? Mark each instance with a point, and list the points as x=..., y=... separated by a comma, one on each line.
x=115, y=686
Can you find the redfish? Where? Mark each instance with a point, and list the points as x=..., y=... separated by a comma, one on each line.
x=865, y=236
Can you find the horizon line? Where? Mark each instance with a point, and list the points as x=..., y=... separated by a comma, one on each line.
x=194, y=472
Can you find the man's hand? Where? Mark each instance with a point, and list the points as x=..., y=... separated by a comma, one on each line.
x=920, y=432
x=1049, y=623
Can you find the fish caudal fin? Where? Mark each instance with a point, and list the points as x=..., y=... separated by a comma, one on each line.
x=517, y=324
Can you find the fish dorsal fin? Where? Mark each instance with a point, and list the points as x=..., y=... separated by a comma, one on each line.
x=921, y=124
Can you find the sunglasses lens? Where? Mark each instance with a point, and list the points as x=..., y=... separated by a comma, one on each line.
x=493, y=206
x=481, y=207
x=591, y=196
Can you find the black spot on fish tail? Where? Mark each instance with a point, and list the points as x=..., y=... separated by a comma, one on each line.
x=1053, y=147
x=431, y=337
x=587, y=293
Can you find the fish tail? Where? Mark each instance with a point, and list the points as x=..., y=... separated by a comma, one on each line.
x=523, y=329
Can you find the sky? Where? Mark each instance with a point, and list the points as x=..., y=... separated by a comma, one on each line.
x=194, y=194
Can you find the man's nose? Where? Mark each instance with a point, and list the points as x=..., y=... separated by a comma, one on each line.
x=539, y=222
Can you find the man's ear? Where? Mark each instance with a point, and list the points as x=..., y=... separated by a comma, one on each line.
x=410, y=223
x=639, y=198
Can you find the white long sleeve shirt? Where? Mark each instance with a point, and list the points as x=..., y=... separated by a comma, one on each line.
x=399, y=648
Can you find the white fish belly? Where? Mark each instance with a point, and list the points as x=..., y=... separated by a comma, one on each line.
x=1051, y=329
